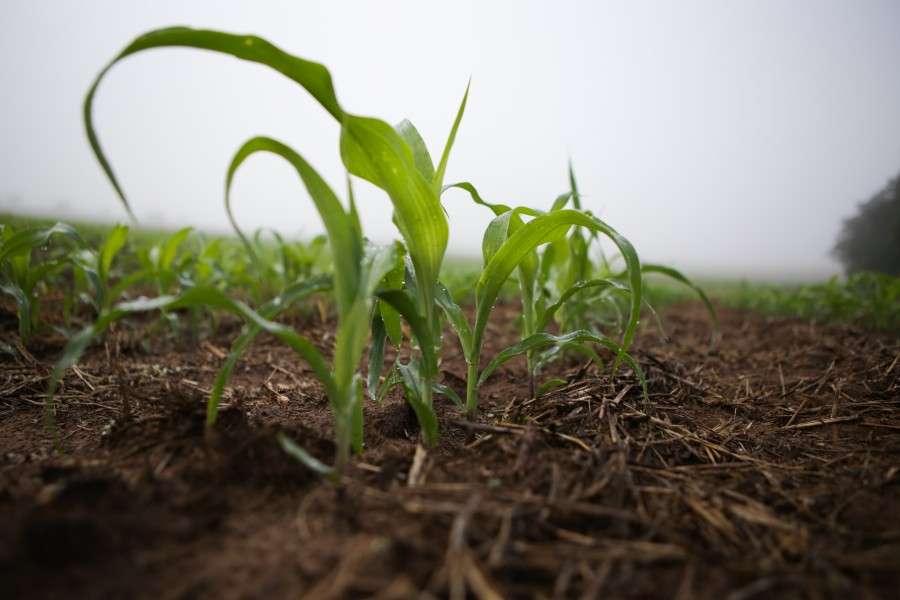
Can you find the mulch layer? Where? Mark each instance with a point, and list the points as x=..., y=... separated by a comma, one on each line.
x=767, y=465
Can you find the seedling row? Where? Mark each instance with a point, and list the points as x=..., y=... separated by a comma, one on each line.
x=579, y=282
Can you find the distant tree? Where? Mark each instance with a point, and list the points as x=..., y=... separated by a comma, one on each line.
x=870, y=241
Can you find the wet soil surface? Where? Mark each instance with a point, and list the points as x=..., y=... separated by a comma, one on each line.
x=767, y=465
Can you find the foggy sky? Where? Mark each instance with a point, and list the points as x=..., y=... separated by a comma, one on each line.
x=724, y=138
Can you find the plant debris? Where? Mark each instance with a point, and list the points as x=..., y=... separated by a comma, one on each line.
x=764, y=465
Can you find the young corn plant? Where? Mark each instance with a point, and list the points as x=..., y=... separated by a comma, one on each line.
x=393, y=159
x=585, y=290
x=511, y=243
x=94, y=268
x=296, y=261
x=163, y=263
x=420, y=309
x=357, y=273
x=564, y=260
x=22, y=278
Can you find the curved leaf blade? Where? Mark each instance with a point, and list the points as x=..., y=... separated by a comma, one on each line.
x=25, y=240
x=680, y=277
x=601, y=282
x=194, y=297
x=312, y=76
x=307, y=459
x=538, y=231
x=542, y=340
x=346, y=245
x=271, y=310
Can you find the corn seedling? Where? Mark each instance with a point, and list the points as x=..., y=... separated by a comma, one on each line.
x=357, y=273
x=395, y=160
x=510, y=243
x=374, y=289
x=23, y=279
x=580, y=285
x=94, y=271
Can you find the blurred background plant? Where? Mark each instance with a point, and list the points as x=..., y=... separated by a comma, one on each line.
x=870, y=240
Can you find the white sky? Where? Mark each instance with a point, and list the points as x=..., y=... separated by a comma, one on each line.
x=724, y=138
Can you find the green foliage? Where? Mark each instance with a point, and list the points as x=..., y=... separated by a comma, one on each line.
x=22, y=279
x=870, y=240
x=551, y=255
x=395, y=160
x=868, y=299
x=380, y=295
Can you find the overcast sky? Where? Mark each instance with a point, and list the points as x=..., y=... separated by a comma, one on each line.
x=725, y=138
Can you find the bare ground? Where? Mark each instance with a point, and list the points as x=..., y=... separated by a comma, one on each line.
x=765, y=466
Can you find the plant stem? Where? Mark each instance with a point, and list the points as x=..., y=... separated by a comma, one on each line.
x=472, y=388
x=529, y=362
x=430, y=434
x=342, y=435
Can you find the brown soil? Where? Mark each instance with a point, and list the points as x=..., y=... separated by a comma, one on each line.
x=768, y=466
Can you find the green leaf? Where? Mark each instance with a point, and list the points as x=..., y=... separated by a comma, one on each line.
x=379, y=155
x=547, y=316
x=376, y=354
x=446, y=390
x=350, y=341
x=422, y=331
x=507, y=222
x=497, y=209
x=356, y=419
x=573, y=186
x=421, y=157
x=380, y=264
x=393, y=280
x=541, y=230
x=353, y=325
x=169, y=249
x=370, y=148
x=412, y=383
x=113, y=243
x=561, y=201
x=313, y=77
x=542, y=340
x=495, y=235
x=195, y=297
x=579, y=261
x=445, y=155
x=270, y=310
x=126, y=282
x=346, y=245
x=520, y=248
x=678, y=276
x=23, y=304
x=456, y=318
x=393, y=379
x=310, y=461
x=25, y=240
x=40, y=272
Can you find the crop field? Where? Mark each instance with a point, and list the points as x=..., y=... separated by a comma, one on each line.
x=189, y=415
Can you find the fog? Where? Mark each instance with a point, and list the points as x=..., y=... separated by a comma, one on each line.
x=726, y=139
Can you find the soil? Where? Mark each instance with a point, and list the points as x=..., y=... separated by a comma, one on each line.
x=766, y=465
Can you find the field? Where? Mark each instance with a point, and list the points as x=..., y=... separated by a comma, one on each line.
x=764, y=464
x=186, y=415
